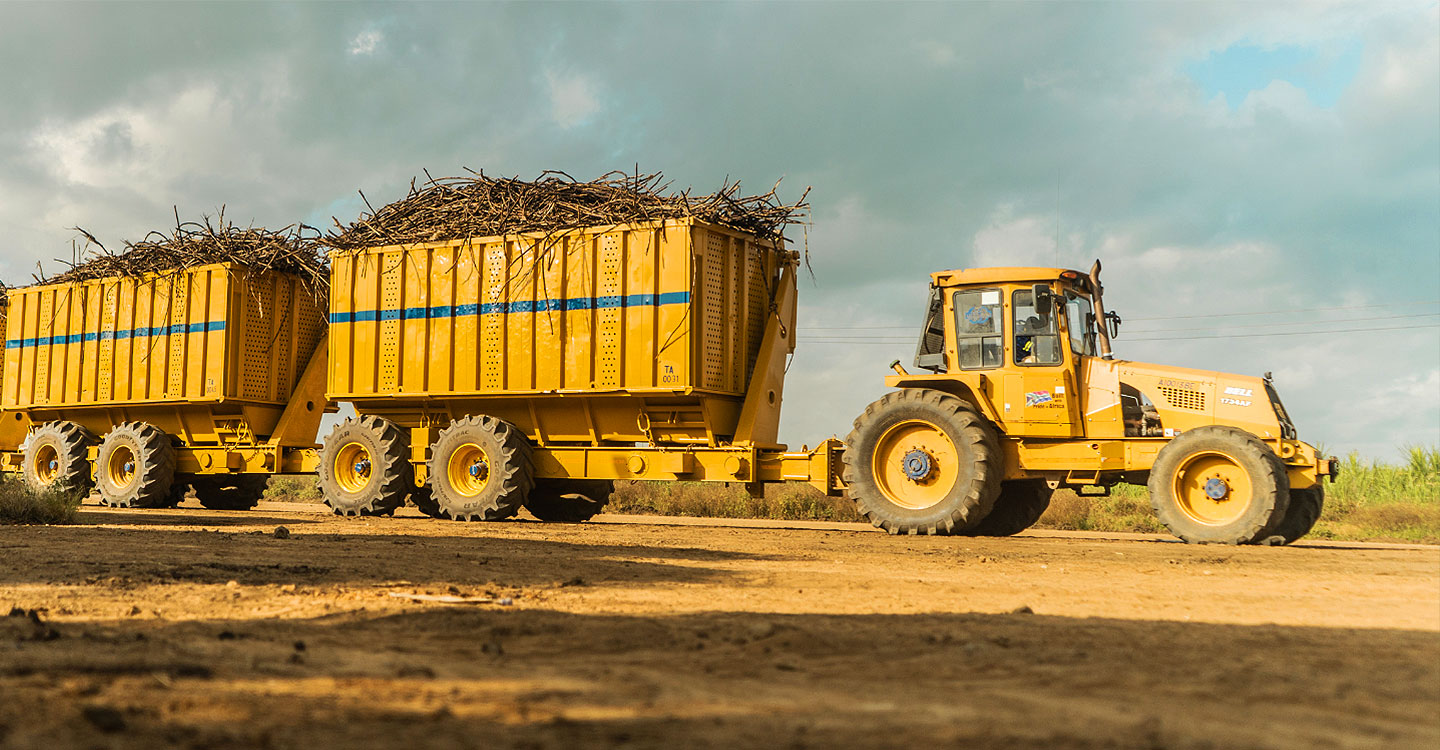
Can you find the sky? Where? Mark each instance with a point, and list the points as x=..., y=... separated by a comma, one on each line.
x=1260, y=180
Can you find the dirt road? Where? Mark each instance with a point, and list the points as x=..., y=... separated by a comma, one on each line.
x=196, y=628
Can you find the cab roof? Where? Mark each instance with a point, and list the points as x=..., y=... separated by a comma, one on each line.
x=1002, y=275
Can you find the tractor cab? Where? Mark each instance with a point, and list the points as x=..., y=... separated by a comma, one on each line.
x=1019, y=339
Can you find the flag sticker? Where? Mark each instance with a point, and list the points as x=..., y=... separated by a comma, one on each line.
x=1038, y=397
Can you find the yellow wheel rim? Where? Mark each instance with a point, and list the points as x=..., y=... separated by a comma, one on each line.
x=915, y=464
x=1212, y=488
x=46, y=464
x=353, y=468
x=120, y=467
x=468, y=470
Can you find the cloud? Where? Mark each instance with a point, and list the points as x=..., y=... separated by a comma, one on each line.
x=366, y=42
x=963, y=148
x=574, y=99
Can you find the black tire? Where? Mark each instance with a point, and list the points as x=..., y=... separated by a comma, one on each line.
x=57, y=458
x=1190, y=460
x=229, y=491
x=425, y=501
x=1019, y=506
x=947, y=499
x=1305, y=508
x=387, y=477
x=569, y=500
x=496, y=459
x=135, y=467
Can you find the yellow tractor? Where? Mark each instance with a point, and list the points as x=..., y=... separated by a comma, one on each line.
x=1018, y=394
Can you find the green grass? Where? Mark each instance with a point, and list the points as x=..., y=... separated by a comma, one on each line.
x=19, y=505
x=1385, y=502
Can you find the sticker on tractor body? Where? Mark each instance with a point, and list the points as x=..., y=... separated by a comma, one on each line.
x=1037, y=398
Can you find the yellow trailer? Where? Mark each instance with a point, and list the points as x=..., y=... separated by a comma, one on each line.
x=494, y=372
x=142, y=386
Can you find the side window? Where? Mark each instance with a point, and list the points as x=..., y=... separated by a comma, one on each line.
x=1037, y=341
x=979, y=334
x=1082, y=331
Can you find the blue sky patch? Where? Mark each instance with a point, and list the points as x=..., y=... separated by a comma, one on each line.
x=1242, y=68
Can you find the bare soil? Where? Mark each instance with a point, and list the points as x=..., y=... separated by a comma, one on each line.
x=194, y=628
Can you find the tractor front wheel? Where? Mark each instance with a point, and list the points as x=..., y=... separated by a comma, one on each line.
x=922, y=461
x=1219, y=485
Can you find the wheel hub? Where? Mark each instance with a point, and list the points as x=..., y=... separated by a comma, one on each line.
x=1216, y=488
x=362, y=468
x=918, y=465
x=54, y=465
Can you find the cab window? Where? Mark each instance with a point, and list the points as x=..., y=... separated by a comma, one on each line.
x=1080, y=320
x=1037, y=340
x=979, y=334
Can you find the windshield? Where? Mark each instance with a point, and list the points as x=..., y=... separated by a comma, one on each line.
x=1080, y=320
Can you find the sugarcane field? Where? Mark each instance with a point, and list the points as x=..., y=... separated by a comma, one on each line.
x=995, y=375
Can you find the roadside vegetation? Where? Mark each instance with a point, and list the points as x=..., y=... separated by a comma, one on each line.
x=293, y=488
x=19, y=505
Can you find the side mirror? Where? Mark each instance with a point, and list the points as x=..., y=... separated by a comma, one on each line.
x=1042, y=296
x=1112, y=323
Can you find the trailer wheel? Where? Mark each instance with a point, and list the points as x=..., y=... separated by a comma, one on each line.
x=922, y=461
x=1019, y=506
x=1219, y=485
x=229, y=491
x=480, y=470
x=1304, y=510
x=135, y=467
x=365, y=467
x=55, y=458
x=569, y=500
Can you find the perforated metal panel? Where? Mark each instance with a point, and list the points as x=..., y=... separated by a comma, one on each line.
x=712, y=336
x=259, y=301
x=492, y=316
x=42, y=354
x=390, y=299
x=178, y=307
x=609, y=293
x=735, y=325
x=105, y=367
x=1181, y=398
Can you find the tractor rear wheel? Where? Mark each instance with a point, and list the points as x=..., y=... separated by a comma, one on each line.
x=922, y=461
x=56, y=458
x=135, y=467
x=1305, y=508
x=569, y=500
x=365, y=467
x=480, y=470
x=1019, y=506
x=1219, y=485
